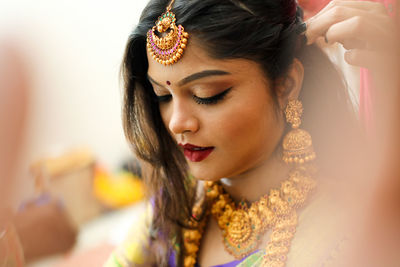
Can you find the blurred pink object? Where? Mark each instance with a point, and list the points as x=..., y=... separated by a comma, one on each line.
x=11, y=253
x=14, y=86
x=366, y=86
x=91, y=257
x=312, y=7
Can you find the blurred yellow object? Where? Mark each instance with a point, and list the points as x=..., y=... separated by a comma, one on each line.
x=118, y=190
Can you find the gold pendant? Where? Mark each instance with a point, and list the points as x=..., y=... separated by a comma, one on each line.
x=241, y=236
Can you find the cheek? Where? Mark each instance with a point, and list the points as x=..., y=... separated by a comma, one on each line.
x=250, y=129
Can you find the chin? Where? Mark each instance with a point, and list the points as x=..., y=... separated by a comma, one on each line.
x=204, y=175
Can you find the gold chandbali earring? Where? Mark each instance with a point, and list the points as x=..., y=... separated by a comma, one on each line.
x=297, y=144
x=166, y=41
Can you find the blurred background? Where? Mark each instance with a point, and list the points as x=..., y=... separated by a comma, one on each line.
x=64, y=157
x=72, y=51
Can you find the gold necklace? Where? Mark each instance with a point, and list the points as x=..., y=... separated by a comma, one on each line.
x=243, y=227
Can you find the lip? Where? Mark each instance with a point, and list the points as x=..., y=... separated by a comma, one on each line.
x=196, y=153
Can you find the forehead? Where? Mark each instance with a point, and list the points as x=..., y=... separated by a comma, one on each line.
x=196, y=59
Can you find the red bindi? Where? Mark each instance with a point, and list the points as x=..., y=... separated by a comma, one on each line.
x=168, y=83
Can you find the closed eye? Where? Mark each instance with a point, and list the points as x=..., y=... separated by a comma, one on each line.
x=199, y=100
x=211, y=100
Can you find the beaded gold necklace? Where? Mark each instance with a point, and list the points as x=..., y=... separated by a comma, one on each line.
x=243, y=227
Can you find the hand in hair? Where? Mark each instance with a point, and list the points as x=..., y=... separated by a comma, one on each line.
x=364, y=28
x=372, y=40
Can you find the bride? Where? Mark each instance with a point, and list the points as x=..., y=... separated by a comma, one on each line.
x=251, y=142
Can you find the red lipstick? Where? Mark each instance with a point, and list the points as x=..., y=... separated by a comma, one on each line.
x=196, y=153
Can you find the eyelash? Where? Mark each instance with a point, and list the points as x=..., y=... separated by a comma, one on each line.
x=199, y=100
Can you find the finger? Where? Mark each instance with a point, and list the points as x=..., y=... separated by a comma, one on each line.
x=370, y=34
x=370, y=6
x=317, y=26
x=354, y=44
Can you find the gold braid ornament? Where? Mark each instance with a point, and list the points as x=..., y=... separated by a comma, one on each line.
x=297, y=144
x=192, y=237
x=166, y=41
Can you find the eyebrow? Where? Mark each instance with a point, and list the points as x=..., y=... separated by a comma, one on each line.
x=194, y=76
x=200, y=75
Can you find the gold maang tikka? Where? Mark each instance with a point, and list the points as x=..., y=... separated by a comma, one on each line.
x=297, y=144
x=166, y=41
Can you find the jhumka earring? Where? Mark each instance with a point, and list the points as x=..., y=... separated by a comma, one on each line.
x=166, y=41
x=297, y=144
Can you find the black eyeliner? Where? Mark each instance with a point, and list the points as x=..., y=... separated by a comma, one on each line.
x=213, y=99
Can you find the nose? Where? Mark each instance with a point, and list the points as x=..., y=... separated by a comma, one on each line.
x=183, y=119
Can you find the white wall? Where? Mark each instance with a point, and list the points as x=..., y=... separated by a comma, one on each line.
x=74, y=49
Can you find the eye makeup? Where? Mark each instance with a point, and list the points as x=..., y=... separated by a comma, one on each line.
x=212, y=99
x=199, y=100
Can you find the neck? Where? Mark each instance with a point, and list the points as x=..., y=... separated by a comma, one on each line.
x=257, y=182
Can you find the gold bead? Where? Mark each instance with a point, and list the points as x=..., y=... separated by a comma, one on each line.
x=185, y=34
x=171, y=61
x=184, y=40
x=209, y=183
x=178, y=55
x=296, y=159
x=189, y=261
x=180, y=50
x=301, y=161
x=175, y=58
x=183, y=46
x=290, y=159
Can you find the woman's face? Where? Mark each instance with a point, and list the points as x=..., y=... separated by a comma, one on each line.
x=220, y=112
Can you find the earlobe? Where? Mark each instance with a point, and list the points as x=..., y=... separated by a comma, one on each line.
x=290, y=86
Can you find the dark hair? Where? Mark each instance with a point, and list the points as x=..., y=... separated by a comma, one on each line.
x=263, y=31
